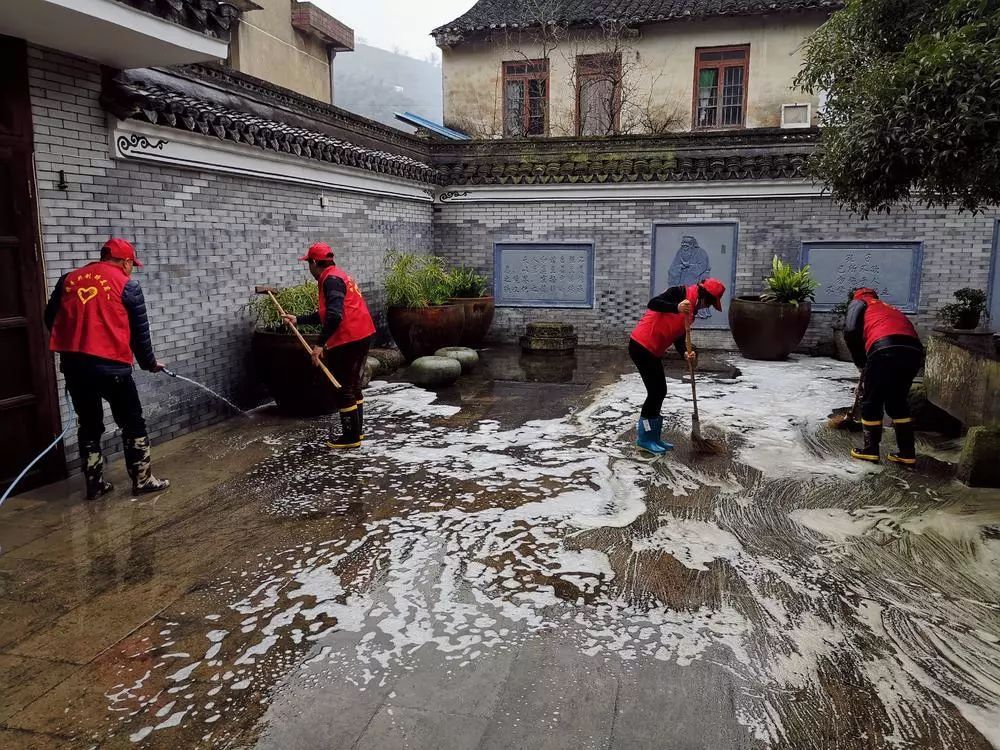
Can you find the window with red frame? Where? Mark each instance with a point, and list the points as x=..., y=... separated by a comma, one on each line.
x=598, y=94
x=720, y=86
x=525, y=98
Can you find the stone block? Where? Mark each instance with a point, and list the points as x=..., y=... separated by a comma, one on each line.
x=390, y=359
x=467, y=358
x=964, y=379
x=433, y=372
x=979, y=464
x=549, y=338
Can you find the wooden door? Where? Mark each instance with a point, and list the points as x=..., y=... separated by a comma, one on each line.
x=29, y=417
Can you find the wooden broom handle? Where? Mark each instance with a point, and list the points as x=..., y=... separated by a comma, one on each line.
x=690, y=349
x=302, y=340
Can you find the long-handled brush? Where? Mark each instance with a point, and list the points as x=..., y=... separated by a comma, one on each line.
x=701, y=444
x=269, y=291
x=848, y=421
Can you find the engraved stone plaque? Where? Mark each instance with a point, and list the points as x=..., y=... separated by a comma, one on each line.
x=890, y=268
x=543, y=274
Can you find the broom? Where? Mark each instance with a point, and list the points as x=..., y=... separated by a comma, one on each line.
x=701, y=444
x=848, y=421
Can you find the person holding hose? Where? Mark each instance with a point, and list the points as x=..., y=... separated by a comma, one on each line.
x=97, y=318
x=347, y=333
x=886, y=348
x=664, y=325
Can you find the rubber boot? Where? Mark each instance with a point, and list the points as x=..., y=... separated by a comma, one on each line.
x=137, y=461
x=906, y=449
x=656, y=433
x=350, y=424
x=870, y=451
x=93, y=469
x=361, y=418
x=644, y=436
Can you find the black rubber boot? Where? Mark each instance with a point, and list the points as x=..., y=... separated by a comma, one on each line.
x=93, y=470
x=870, y=451
x=361, y=418
x=137, y=461
x=350, y=424
x=906, y=443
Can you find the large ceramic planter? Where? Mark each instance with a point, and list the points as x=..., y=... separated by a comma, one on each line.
x=282, y=365
x=421, y=331
x=767, y=330
x=478, y=319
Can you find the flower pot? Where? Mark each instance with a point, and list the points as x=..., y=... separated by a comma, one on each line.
x=968, y=320
x=282, y=365
x=841, y=350
x=767, y=330
x=478, y=319
x=421, y=331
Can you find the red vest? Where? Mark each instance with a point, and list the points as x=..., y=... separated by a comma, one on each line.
x=883, y=320
x=658, y=331
x=357, y=321
x=92, y=318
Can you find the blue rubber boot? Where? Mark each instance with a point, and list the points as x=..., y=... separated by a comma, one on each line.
x=656, y=433
x=644, y=437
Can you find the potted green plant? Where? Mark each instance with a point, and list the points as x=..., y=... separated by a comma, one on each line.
x=966, y=313
x=468, y=289
x=420, y=318
x=841, y=350
x=769, y=326
x=298, y=388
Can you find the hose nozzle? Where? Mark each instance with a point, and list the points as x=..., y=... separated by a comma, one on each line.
x=168, y=372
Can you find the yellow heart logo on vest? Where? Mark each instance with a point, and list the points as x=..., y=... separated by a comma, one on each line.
x=86, y=293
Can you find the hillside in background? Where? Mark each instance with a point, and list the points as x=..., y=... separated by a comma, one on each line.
x=376, y=83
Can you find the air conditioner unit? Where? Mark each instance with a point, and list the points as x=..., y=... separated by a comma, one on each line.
x=796, y=115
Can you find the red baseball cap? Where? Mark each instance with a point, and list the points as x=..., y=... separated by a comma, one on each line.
x=121, y=249
x=319, y=251
x=716, y=288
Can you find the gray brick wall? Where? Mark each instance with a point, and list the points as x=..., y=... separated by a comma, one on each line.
x=957, y=251
x=206, y=238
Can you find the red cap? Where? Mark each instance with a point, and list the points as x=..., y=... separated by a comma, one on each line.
x=716, y=288
x=319, y=251
x=865, y=291
x=121, y=249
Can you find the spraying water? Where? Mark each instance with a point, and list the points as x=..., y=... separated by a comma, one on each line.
x=205, y=388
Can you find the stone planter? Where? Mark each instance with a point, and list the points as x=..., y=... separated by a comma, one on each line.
x=478, y=319
x=421, y=331
x=767, y=330
x=549, y=338
x=840, y=348
x=282, y=365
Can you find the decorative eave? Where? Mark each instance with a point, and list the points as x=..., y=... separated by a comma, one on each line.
x=214, y=18
x=751, y=155
x=310, y=20
x=168, y=98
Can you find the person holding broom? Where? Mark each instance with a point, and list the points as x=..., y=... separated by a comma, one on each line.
x=664, y=325
x=347, y=332
x=886, y=348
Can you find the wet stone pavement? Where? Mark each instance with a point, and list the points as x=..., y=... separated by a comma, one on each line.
x=498, y=568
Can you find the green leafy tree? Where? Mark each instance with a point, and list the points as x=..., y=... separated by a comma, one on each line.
x=913, y=103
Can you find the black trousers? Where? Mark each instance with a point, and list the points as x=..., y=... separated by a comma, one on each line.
x=87, y=391
x=347, y=363
x=888, y=377
x=651, y=371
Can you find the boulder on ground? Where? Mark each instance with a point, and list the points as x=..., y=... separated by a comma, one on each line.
x=366, y=375
x=376, y=366
x=978, y=465
x=467, y=358
x=391, y=359
x=433, y=372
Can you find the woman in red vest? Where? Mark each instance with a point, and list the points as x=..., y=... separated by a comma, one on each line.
x=887, y=349
x=347, y=332
x=663, y=326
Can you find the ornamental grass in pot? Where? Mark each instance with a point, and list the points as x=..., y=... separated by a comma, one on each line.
x=769, y=326
x=421, y=320
x=468, y=289
x=298, y=388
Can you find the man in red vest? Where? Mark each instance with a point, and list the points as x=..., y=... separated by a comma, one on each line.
x=97, y=316
x=887, y=349
x=664, y=325
x=347, y=332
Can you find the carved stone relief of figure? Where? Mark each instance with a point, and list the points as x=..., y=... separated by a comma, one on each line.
x=689, y=266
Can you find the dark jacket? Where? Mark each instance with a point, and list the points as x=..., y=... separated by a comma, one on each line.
x=140, y=341
x=334, y=291
x=667, y=303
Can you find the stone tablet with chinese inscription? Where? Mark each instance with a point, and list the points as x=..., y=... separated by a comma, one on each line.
x=544, y=275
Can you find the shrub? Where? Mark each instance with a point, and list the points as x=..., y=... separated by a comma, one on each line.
x=970, y=305
x=788, y=285
x=296, y=300
x=466, y=282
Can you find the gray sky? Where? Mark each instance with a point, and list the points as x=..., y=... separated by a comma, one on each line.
x=405, y=24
